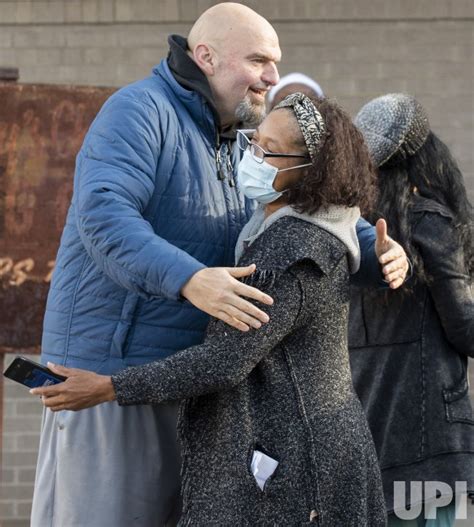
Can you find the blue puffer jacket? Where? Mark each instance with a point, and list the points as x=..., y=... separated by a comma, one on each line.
x=148, y=211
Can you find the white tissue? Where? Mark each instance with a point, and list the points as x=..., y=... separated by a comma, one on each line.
x=263, y=467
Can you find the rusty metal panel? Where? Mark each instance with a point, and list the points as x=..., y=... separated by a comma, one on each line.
x=41, y=130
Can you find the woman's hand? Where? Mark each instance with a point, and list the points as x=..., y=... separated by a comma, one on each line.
x=82, y=389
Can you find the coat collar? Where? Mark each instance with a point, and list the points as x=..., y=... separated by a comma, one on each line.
x=182, y=72
x=190, y=85
x=290, y=240
x=188, y=74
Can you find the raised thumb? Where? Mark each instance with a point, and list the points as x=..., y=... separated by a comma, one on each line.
x=381, y=231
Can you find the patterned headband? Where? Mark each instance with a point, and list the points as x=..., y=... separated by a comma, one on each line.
x=309, y=119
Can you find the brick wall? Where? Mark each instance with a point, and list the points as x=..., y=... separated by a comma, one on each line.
x=21, y=426
x=355, y=49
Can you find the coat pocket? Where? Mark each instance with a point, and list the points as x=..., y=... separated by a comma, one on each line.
x=457, y=403
x=120, y=339
x=269, y=477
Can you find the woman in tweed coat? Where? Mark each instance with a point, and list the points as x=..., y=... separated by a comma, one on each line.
x=285, y=389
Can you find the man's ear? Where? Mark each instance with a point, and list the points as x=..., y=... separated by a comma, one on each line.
x=205, y=58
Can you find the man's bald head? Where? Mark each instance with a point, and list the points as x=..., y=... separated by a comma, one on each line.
x=227, y=22
x=237, y=50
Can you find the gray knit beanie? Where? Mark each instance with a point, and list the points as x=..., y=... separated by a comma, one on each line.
x=393, y=124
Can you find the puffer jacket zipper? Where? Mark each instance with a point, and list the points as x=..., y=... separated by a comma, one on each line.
x=221, y=176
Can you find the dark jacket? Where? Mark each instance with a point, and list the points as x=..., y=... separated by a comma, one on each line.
x=284, y=389
x=409, y=361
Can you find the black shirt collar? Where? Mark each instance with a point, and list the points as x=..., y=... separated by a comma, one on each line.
x=189, y=75
x=187, y=72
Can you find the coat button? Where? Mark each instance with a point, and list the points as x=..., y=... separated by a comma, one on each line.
x=313, y=515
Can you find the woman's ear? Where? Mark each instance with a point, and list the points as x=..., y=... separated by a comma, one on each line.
x=205, y=58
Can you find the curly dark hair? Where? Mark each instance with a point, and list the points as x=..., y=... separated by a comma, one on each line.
x=342, y=173
x=435, y=174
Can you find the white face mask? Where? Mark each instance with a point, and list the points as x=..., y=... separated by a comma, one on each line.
x=256, y=179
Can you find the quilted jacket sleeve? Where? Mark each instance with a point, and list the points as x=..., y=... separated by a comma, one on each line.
x=370, y=271
x=114, y=182
x=225, y=358
x=450, y=286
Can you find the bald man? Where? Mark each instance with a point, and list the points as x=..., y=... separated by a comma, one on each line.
x=145, y=258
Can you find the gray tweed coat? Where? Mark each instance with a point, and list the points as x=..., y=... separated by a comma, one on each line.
x=284, y=389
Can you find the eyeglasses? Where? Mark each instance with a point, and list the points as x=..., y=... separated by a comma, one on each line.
x=257, y=152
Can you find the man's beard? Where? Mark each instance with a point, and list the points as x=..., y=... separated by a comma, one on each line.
x=250, y=115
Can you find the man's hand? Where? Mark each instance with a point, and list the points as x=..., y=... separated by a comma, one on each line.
x=82, y=389
x=391, y=255
x=216, y=291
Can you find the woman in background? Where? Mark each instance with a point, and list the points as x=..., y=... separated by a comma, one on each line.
x=292, y=83
x=409, y=352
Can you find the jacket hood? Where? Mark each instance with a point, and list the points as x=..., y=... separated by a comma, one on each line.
x=338, y=221
x=188, y=74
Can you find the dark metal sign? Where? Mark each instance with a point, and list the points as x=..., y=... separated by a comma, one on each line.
x=41, y=130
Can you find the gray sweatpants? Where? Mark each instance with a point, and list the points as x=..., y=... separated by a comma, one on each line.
x=108, y=466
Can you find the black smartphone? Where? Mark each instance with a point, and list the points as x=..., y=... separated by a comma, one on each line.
x=31, y=374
